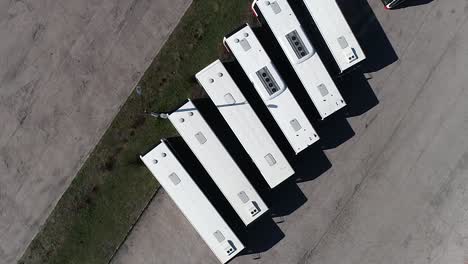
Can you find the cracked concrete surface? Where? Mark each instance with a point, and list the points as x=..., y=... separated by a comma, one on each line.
x=65, y=70
x=398, y=189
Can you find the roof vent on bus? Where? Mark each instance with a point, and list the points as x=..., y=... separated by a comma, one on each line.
x=343, y=43
x=245, y=44
x=274, y=6
x=295, y=125
x=243, y=197
x=269, y=83
x=296, y=43
x=323, y=90
x=219, y=236
x=270, y=159
x=174, y=178
x=229, y=99
x=200, y=137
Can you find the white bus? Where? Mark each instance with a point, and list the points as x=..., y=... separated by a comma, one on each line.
x=336, y=32
x=217, y=161
x=193, y=203
x=245, y=124
x=279, y=100
x=301, y=54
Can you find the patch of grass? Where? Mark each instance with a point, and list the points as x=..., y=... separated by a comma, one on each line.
x=113, y=187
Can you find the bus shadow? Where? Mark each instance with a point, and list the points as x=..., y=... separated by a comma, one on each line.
x=311, y=164
x=370, y=34
x=357, y=93
x=411, y=3
x=261, y=236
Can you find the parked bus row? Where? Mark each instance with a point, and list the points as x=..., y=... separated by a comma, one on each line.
x=247, y=126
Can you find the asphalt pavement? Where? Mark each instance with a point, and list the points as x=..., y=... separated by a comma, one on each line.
x=66, y=68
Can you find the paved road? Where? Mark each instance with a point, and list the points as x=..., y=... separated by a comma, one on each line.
x=398, y=189
x=66, y=67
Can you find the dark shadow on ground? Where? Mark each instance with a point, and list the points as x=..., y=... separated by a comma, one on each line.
x=260, y=236
x=334, y=131
x=410, y=3
x=311, y=164
x=286, y=198
x=357, y=93
x=370, y=34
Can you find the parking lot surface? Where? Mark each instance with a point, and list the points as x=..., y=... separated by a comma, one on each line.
x=65, y=70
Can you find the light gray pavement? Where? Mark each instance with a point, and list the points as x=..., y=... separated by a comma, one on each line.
x=398, y=189
x=66, y=67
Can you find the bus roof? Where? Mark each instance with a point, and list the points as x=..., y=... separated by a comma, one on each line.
x=336, y=32
x=195, y=206
x=245, y=124
x=217, y=161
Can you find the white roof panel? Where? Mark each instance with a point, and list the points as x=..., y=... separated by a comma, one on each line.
x=302, y=55
x=245, y=124
x=198, y=210
x=219, y=164
x=275, y=94
x=336, y=32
